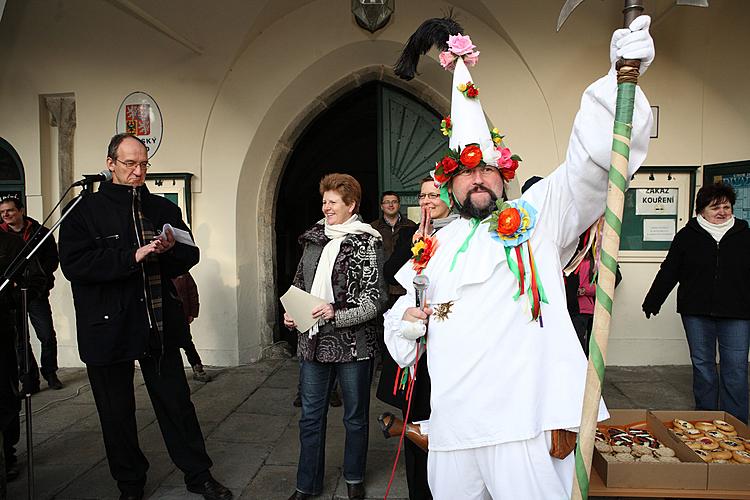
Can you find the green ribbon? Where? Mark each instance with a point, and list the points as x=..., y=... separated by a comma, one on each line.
x=514, y=269
x=474, y=225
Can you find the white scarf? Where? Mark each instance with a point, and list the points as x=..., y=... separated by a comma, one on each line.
x=321, y=285
x=716, y=230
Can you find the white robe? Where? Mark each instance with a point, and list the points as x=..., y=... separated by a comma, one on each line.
x=496, y=375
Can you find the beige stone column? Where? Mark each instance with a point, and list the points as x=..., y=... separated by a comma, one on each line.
x=62, y=111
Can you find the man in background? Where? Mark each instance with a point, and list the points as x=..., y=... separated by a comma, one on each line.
x=16, y=222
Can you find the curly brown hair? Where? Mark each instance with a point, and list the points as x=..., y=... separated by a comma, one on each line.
x=345, y=185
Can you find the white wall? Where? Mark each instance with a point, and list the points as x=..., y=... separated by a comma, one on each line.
x=262, y=69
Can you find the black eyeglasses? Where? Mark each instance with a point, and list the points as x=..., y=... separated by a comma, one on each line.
x=431, y=196
x=132, y=164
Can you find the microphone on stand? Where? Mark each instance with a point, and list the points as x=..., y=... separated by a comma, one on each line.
x=88, y=179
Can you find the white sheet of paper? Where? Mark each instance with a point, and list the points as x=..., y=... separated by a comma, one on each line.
x=180, y=235
x=658, y=229
x=299, y=305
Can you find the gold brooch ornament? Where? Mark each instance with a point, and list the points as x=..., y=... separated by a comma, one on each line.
x=443, y=310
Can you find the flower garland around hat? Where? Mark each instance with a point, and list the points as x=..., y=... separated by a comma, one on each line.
x=459, y=46
x=511, y=224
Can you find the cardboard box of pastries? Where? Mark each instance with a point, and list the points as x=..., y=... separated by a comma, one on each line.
x=661, y=470
x=723, y=473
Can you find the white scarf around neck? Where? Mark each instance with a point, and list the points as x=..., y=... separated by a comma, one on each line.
x=717, y=231
x=322, y=286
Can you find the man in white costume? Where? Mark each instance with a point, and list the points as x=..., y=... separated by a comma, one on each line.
x=505, y=375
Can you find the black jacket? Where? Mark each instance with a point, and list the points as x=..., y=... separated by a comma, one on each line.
x=714, y=277
x=47, y=253
x=98, y=242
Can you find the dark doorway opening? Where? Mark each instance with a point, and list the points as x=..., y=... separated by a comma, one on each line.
x=341, y=139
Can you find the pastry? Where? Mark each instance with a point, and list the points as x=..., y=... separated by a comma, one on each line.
x=664, y=451
x=705, y=426
x=705, y=456
x=626, y=457
x=723, y=426
x=603, y=447
x=721, y=454
x=708, y=443
x=639, y=450
x=682, y=424
x=731, y=445
x=680, y=435
x=716, y=434
x=742, y=457
x=621, y=449
x=693, y=433
x=668, y=459
x=694, y=445
x=648, y=458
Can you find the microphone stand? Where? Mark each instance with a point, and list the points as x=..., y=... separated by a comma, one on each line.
x=13, y=270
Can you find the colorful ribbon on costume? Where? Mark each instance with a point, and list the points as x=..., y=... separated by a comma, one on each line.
x=522, y=265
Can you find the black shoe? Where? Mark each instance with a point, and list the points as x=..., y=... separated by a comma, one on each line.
x=298, y=495
x=11, y=472
x=212, y=490
x=32, y=389
x=355, y=490
x=54, y=382
x=131, y=496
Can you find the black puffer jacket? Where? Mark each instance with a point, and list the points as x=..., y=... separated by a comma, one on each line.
x=714, y=277
x=97, y=254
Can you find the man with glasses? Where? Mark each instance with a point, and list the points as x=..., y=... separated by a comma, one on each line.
x=120, y=268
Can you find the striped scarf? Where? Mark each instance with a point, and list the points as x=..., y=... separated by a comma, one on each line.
x=150, y=265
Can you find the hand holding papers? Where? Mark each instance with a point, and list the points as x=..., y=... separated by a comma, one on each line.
x=299, y=305
x=180, y=235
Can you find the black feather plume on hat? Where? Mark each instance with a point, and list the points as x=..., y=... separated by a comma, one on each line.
x=432, y=32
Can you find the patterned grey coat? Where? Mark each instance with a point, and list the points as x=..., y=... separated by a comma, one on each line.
x=359, y=292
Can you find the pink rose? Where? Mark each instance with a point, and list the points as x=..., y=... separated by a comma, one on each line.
x=447, y=60
x=504, y=161
x=460, y=45
x=471, y=59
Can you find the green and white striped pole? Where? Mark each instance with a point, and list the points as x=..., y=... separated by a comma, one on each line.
x=627, y=80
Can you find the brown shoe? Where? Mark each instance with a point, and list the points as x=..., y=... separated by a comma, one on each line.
x=392, y=426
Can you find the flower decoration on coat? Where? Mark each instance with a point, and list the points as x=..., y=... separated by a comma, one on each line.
x=511, y=224
x=446, y=127
x=422, y=252
x=459, y=46
x=468, y=89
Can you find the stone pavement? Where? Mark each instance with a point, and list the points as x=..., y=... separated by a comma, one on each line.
x=251, y=434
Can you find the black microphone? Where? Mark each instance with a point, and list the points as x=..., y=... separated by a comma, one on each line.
x=88, y=179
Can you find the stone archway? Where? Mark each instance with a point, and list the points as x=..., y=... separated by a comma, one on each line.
x=270, y=182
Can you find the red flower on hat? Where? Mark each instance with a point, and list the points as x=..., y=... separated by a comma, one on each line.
x=508, y=221
x=508, y=163
x=449, y=165
x=471, y=156
x=472, y=92
x=440, y=176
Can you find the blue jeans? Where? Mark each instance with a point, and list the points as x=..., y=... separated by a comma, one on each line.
x=315, y=389
x=728, y=389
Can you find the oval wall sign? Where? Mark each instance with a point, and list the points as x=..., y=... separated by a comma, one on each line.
x=140, y=115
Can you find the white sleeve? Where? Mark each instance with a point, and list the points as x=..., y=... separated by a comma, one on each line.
x=574, y=196
x=402, y=350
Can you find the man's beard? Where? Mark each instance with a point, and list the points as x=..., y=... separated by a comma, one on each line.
x=469, y=210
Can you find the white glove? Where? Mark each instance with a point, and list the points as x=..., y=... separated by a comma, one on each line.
x=634, y=42
x=412, y=330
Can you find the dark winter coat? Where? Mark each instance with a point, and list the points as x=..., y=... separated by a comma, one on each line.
x=98, y=242
x=47, y=253
x=714, y=277
x=359, y=293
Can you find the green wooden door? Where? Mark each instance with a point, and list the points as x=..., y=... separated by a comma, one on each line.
x=409, y=143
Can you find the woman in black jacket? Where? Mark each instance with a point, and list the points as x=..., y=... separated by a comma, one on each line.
x=709, y=259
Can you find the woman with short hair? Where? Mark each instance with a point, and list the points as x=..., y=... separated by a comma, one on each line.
x=709, y=259
x=342, y=264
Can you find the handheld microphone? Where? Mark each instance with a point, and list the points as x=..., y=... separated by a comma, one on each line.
x=421, y=282
x=88, y=179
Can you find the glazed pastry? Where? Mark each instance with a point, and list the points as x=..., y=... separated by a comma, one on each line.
x=694, y=445
x=731, y=445
x=705, y=456
x=742, y=457
x=716, y=434
x=708, y=443
x=621, y=440
x=723, y=426
x=680, y=435
x=682, y=424
x=721, y=455
x=693, y=433
x=705, y=426
x=599, y=436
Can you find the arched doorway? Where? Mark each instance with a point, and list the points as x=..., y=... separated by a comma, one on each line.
x=379, y=134
x=12, y=178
